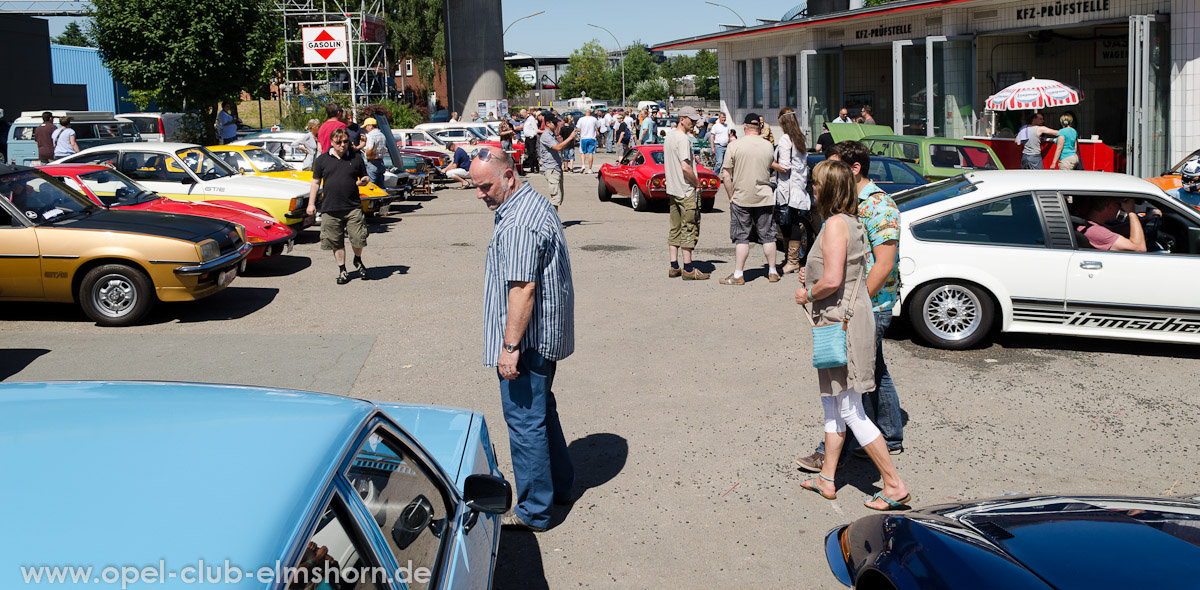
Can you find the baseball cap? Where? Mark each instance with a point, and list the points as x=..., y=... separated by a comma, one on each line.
x=689, y=112
x=371, y=121
x=753, y=119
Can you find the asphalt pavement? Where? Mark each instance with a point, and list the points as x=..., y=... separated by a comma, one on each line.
x=685, y=403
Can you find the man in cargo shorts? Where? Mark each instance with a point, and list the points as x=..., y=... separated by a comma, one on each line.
x=341, y=210
x=683, y=188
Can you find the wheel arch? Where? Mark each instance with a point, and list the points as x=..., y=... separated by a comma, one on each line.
x=82, y=270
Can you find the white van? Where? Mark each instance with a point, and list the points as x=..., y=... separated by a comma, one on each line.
x=156, y=126
x=92, y=128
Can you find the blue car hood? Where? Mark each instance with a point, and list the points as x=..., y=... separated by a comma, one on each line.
x=443, y=432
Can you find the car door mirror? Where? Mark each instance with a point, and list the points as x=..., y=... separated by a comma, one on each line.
x=187, y=180
x=487, y=493
x=412, y=522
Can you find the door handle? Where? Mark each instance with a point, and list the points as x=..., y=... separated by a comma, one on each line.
x=1091, y=265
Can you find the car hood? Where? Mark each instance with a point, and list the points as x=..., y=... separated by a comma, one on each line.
x=256, y=224
x=244, y=185
x=167, y=225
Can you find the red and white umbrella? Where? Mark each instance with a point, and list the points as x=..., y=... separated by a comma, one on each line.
x=1033, y=94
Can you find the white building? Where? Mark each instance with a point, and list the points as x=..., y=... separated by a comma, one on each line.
x=927, y=67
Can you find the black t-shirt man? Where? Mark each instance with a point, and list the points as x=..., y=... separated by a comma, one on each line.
x=356, y=134
x=338, y=177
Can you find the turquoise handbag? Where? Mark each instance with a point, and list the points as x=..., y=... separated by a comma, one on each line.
x=829, y=340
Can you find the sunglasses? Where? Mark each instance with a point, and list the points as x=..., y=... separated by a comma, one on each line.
x=342, y=142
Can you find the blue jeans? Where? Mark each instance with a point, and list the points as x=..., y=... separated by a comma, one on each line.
x=608, y=138
x=1029, y=162
x=375, y=173
x=541, y=464
x=882, y=405
x=720, y=157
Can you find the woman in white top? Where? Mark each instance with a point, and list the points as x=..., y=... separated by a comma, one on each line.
x=64, y=139
x=308, y=144
x=791, y=176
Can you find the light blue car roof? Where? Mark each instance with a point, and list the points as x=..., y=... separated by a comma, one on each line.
x=104, y=473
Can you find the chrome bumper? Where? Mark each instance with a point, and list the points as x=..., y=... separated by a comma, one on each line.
x=216, y=263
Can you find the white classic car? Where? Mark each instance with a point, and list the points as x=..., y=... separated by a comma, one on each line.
x=1001, y=250
x=190, y=172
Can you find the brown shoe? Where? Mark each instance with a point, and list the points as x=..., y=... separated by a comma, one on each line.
x=674, y=272
x=731, y=280
x=812, y=463
x=773, y=277
x=695, y=275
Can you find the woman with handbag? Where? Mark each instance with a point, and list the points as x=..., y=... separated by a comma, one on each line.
x=791, y=195
x=844, y=333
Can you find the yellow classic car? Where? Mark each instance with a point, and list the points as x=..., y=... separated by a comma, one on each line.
x=257, y=161
x=58, y=246
x=190, y=172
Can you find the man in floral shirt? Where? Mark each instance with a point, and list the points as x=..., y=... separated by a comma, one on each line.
x=881, y=218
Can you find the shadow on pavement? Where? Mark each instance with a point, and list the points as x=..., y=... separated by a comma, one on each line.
x=382, y=272
x=14, y=360
x=381, y=225
x=519, y=562
x=231, y=304
x=280, y=266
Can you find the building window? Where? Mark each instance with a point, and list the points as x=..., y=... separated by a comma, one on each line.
x=789, y=89
x=758, y=84
x=408, y=67
x=741, y=70
x=773, y=72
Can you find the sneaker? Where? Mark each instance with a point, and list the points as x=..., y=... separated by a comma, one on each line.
x=812, y=463
x=343, y=278
x=362, y=271
x=510, y=520
x=674, y=272
x=695, y=275
x=732, y=280
x=896, y=450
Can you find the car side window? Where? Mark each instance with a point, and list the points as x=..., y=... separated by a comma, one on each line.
x=98, y=158
x=336, y=557
x=23, y=133
x=149, y=166
x=880, y=148
x=628, y=159
x=908, y=151
x=1013, y=221
x=406, y=500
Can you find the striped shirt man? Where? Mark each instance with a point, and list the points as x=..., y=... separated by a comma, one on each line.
x=528, y=246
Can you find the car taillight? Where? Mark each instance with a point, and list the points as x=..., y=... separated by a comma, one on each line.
x=656, y=182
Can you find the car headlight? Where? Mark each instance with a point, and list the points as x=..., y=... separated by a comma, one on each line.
x=208, y=250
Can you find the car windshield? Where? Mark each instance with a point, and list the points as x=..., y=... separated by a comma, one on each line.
x=265, y=161
x=963, y=157
x=477, y=132
x=41, y=199
x=1177, y=167
x=115, y=189
x=657, y=157
x=204, y=163
x=933, y=193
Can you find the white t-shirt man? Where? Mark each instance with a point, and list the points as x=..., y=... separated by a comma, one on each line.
x=606, y=123
x=588, y=125
x=719, y=134
x=530, y=127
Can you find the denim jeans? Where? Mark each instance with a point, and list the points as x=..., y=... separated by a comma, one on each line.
x=1031, y=162
x=375, y=172
x=608, y=140
x=541, y=464
x=882, y=405
x=720, y=157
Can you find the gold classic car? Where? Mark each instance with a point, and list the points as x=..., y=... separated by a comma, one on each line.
x=58, y=246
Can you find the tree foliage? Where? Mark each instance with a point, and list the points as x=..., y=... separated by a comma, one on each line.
x=189, y=55
x=707, y=77
x=639, y=65
x=588, y=72
x=416, y=30
x=74, y=36
x=514, y=84
x=655, y=89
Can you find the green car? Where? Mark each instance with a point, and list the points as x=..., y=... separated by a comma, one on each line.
x=935, y=158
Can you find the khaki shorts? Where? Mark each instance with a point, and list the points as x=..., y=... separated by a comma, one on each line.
x=555, y=179
x=1070, y=162
x=337, y=225
x=685, y=220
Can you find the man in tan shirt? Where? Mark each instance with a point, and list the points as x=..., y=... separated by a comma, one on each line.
x=683, y=190
x=746, y=175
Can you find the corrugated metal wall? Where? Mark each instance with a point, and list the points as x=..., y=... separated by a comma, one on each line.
x=82, y=65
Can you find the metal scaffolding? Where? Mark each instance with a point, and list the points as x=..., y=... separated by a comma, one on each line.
x=47, y=8
x=366, y=76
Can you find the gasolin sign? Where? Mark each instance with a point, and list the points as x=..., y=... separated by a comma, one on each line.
x=324, y=45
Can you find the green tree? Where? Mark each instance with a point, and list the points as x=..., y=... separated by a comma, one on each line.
x=655, y=89
x=514, y=84
x=416, y=30
x=639, y=65
x=675, y=69
x=707, y=77
x=74, y=36
x=588, y=72
x=189, y=55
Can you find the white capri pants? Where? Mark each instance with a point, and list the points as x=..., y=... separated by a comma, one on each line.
x=846, y=409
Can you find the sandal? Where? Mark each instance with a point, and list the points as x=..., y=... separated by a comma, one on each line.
x=892, y=504
x=812, y=487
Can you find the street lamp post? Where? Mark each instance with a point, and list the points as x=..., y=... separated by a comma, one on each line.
x=622, y=49
x=519, y=20
x=730, y=10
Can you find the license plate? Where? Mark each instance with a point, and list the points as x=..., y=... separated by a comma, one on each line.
x=227, y=277
x=290, y=244
x=384, y=210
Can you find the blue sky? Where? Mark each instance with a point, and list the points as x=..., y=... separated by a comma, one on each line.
x=564, y=25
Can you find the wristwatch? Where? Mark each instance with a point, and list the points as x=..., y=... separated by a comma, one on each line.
x=510, y=347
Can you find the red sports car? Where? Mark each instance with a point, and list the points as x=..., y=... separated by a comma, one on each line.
x=640, y=176
x=109, y=188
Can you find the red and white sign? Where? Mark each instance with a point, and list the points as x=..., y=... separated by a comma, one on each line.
x=374, y=29
x=324, y=45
